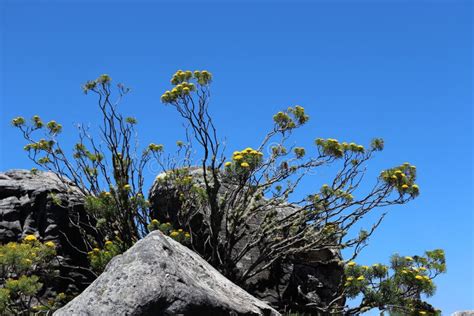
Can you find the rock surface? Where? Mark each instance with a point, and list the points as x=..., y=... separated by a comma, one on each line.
x=159, y=276
x=40, y=204
x=313, y=276
x=463, y=313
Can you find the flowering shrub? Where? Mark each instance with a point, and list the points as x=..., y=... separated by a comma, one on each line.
x=398, y=287
x=24, y=268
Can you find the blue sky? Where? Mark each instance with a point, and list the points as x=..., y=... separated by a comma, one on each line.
x=401, y=70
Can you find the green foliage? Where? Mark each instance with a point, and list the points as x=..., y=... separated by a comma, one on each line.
x=402, y=178
x=99, y=258
x=398, y=287
x=166, y=228
x=24, y=268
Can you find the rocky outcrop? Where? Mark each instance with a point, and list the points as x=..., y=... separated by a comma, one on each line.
x=39, y=203
x=159, y=276
x=311, y=277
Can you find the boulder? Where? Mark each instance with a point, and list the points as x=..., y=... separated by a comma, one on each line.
x=39, y=203
x=159, y=276
x=310, y=277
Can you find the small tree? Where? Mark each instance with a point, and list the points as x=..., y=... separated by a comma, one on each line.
x=256, y=185
x=107, y=169
x=399, y=292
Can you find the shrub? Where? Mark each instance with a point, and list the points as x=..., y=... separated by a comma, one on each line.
x=25, y=268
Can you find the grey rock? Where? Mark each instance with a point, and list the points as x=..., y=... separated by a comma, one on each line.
x=41, y=204
x=463, y=313
x=159, y=276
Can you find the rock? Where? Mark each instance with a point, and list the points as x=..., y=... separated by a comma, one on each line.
x=463, y=313
x=39, y=203
x=314, y=275
x=159, y=276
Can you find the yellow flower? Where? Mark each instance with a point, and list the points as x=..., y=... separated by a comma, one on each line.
x=404, y=271
x=96, y=250
x=365, y=267
x=127, y=187
x=108, y=242
x=248, y=149
x=361, y=278
x=187, y=235
x=238, y=157
x=236, y=153
x=28, y=261
x=254, y=152
x=30, y=238
x=350, y=278
x=404, y=186
x=244, y=165
x=426, y=277
x=351, y=264
x=407, y=258
x=154, y=222
x=419, y=277
x=422, y=312
x=50, y=244
x=180, y=230
x=228, y=164
x=422, y=269
x=174, y=234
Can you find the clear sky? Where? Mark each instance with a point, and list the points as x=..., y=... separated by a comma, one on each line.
x=401, y=70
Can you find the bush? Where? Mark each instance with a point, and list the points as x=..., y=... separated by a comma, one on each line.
x=25, y=268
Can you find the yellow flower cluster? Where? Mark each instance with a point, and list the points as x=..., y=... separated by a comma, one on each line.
x=30, y=238
x=181, y=90
x=182, y=85
x=332, y=147
x=403, y=178
x=245, y=159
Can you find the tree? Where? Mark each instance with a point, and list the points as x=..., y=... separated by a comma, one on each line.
x=256, y=184
x=246, y=188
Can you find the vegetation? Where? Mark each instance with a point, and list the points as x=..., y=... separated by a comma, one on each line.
x=25, y=268
x=247, y=187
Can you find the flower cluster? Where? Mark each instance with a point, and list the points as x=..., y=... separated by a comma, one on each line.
x=245, y=160
x=332, y=147
x=403, y=178
x=291, y=118
x=92, y=84
x=99, y=258
x=300, y=152
x=54, y=128
x=183, y=85
x=166, y=228
x=155, y=148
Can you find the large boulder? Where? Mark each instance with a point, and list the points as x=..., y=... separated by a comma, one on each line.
x=159, y=276
x=312, y=277
x=39, y=203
